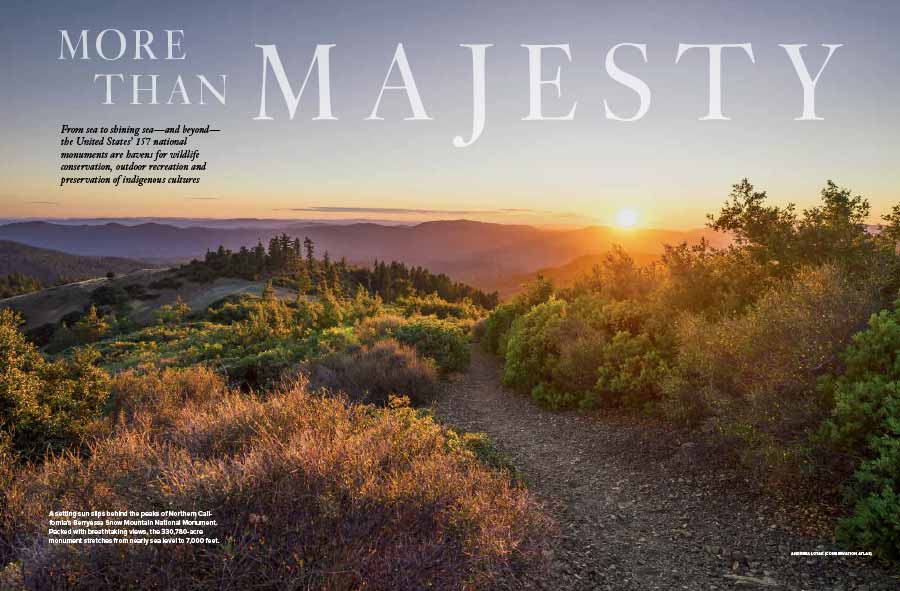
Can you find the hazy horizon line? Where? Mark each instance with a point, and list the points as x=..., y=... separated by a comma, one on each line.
x=333, y=221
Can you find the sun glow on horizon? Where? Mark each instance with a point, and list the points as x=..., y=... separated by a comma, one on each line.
x=626, y=218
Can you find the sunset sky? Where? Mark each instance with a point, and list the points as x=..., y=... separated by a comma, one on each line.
x=669, y=168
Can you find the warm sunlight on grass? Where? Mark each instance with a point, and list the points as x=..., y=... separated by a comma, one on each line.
x=626, y=218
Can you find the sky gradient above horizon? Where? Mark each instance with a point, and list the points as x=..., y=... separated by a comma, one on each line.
x=669, y=167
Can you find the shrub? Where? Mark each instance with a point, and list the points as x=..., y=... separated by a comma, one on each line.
x=41, y=335
x=267, y=319
x=575, y=368
x=161, y=393
x=577, y=340
x=586, y=352
x=110, y=295
x=90, y=328
x=533, y=293
x=137, y=291
x=444, y=341
x=617, y=277
x=756, y=374
x=362, y=306
x=232, y=308
x=866, y=424
x=711, y=282
x=434, y=305
x=265, y=367
x=496, y=328
x=334, y=339
x=46, y=405
x=533, y=348
x=383, y=326
x=373, y=373
x=197, y=273
x=166, y=283
x=308, y=493
x=332, y=311
x=631, y=372
x=173, y=313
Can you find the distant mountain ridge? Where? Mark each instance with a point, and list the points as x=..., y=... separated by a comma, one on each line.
x=475, y=252
x=49, y=266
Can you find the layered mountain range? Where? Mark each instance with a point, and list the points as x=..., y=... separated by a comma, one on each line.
x=483, y=254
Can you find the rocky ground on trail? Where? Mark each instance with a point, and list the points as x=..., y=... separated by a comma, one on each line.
x=640, y=508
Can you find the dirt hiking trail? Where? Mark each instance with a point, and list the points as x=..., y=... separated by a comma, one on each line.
x=637, y=508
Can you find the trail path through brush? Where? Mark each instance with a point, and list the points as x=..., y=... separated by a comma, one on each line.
x=638, y=508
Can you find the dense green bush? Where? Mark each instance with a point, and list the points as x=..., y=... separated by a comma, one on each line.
x=702, y=280
x=231, y=308
x=533, y=293
x=587, y=352
x=631, y=372
x=756, y=374
x=444, y=341
x=110, y=295
x=255, y=340
x=866, y=424
x=330, y=311
x=44, y=405
x=497, y=325
x=496, y=328
x=434, y=305
x=252, y=340
x=532, y=349
x=362, y=306
x=376, y=328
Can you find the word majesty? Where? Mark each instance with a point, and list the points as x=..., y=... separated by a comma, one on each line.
x=142, y=48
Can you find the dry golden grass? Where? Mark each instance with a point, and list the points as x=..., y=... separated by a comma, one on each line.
x=310, y=492
x=372, y=373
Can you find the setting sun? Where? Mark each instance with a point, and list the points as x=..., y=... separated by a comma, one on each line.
x=626, y=218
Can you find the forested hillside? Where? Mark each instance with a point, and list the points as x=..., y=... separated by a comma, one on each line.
x=50, y=266
x=17, y=284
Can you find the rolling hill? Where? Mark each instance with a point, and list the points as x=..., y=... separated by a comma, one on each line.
x=50, y=266
x=53, y=304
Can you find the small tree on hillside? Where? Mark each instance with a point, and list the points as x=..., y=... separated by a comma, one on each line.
x=173, y=313
x=268, y=292
x=90, y=328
